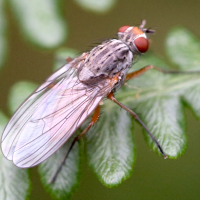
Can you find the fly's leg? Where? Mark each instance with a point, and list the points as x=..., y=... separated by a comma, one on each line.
x=134, y=115
x=148, y=67
x=94, y=119
x=68, y=59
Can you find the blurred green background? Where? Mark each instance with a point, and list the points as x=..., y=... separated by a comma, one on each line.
x=153, y=177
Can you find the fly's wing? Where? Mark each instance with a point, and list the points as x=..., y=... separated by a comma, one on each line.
x=46, y=120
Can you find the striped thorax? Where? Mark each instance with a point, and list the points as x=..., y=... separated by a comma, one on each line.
x=113, y=56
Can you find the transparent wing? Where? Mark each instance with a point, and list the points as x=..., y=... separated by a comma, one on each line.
x=46, y=120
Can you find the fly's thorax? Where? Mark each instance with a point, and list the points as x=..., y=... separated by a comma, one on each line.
x=134, y=38
x=104, y=61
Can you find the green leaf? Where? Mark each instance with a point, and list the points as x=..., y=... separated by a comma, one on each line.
x=40, y=21
x=14, y=182
x=3, y=34
x=96, y=6
x=67, y=180
x=18, y=93
x=183, y=49
x=191, y=96
x=110, y=146
x=184, y=52
x=61, y=55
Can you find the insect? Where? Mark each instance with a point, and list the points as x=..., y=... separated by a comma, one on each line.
x=54, y=111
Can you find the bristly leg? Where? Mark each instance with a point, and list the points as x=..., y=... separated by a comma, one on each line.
x=148, y=67
x=134, y=115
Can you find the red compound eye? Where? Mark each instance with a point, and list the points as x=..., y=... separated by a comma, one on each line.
x=123, y=29
x=142, y=44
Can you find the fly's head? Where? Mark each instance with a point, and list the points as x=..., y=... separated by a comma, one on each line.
x=135, y=37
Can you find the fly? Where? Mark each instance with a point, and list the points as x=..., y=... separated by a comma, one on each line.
x=54, y=111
